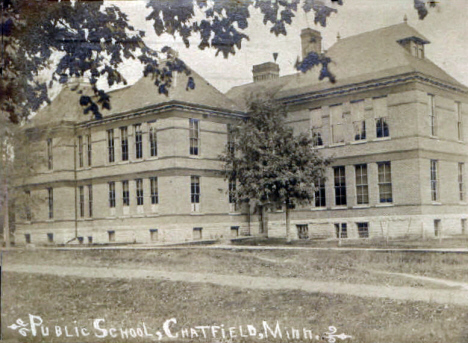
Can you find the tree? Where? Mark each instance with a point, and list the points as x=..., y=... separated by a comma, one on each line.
x=92, y=39
x=271, y=165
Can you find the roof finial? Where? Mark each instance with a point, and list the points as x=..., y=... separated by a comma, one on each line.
x=338, y=37
x=405, y=19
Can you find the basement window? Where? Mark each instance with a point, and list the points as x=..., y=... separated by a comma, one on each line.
x=111, y=236
x=197, y=233
x=341, y=230
x=154, y=235
x=234, y=231
x=50, y=237
x=80, y=240
x=363, y=230
x=90, y=239
x=302, y=231
x=27, y=237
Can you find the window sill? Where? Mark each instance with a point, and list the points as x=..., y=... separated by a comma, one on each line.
x=194, y=156
x=378, y=139
x=436, y=203
x=235, y=213
x=339, y=207
x=361, y=206
x=359, y=142
x=337, y=144
x=318, y=209
x=385, y=204
x=123, y=162
x=319, y=147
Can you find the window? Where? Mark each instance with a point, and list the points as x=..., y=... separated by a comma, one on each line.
x=139, y=191
x=382, y=129
x=154, y=190
x=197, y=233
x=27, y=238
x=234, y=231
x=336, y=121
x=317, y=139
x=90, y=239
x=363, y=230
x=463, y=226
x=320, y=196
x=194, y=136
x=50, y=237
x=230, y=139
x=89, y=148
x=154, y=235
x=340, y=186
x=81, y=197
x=80, y=151
x=432, y=115
x=50, y=202
x=50, y=161
x=302, y=231
x=28, y=205
x=195, y=189
x=362, y=187
x=110, y=145
x=125, y=194
x=460, y=121
x=124, y=143
x=111, y=236
x=461, y=186
x=437, y=228
x=90, y=200
x=385, y=182
x=111, y=194
x=341, y=230
x=153, y=139
x=80, y=239
x=434, y=180
x=138, y=141
x=359, y=130
x=232, y=194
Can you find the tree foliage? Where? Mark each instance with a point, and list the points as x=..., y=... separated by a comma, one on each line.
x=92, y=39
x=271, y=165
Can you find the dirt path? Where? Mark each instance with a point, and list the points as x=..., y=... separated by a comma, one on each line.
x=455, y=297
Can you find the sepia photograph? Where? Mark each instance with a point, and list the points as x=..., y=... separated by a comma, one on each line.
x=234, y=171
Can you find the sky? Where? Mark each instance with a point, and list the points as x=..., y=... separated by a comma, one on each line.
x=446, y=27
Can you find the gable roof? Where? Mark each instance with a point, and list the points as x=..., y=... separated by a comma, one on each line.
x=363, y=57
x=66, y=108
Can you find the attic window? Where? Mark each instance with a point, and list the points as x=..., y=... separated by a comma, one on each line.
x=414, y=45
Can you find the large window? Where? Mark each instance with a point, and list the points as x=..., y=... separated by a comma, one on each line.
x=385, y=182
x=112, y=194
x=232, y=194
x=320, y=196
x=341, y=230
x=110, y=145
x=460, y=121
x=139, y=191
x=382, y=129
x=360, y=130
x=230, y=139
x=89, y=149
x=432, y=115
x=434, y=180
x=362, y=187
x=340, y=186
x=125, y=194
x=317, y=139
x=50, y=156
x=461, y=185
x=194, y=136
x=50, y=202
x=80, y=151
x=363, y=230
x=154, y=190
x=195, y=192
x=138, y=141
x=82, y=205
x=124, y=143
x=90, y=200
x=153, y=139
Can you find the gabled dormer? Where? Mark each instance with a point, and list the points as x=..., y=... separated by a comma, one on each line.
x=414, y=45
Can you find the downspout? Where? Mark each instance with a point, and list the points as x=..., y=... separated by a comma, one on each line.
x=75, y=183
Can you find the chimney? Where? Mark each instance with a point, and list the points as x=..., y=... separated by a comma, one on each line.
x=265, y=71
x=311, y=41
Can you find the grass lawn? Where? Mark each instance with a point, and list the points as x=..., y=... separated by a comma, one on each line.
x=68, y=301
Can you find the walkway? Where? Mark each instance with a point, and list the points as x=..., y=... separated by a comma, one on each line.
x=442, y=296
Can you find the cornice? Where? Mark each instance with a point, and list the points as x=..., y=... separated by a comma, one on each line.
x=371, y=85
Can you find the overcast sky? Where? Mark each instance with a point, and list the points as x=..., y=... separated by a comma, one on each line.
x=446, y=27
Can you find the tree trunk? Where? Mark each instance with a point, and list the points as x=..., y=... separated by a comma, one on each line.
x=6, y=220
x=264, y=223
x=288, y=224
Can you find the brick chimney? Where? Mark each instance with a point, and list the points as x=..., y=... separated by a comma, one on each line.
x=311, y=41
x=265, y=71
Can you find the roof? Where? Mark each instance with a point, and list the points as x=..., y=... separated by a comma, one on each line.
x=66, y=108
x=363, y=57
